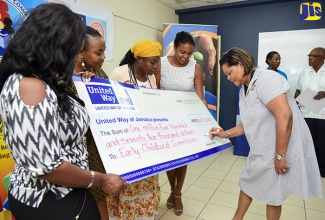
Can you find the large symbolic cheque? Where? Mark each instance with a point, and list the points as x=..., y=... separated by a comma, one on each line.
x=140, y=132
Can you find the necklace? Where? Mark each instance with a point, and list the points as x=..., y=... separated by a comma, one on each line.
x=133, y=79
x=146, y=84
x=246, y=87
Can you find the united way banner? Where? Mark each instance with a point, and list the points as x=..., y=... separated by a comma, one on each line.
x=12, y=14
x=205, y=54
x=95, y=17
x=140, y=132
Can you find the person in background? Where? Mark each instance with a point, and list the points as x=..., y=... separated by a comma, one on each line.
x=179, y=72
x=273, y=59
x=314, y=78
x=44, y=127
x=282, y=158
x=89, y=64
x=141, y=199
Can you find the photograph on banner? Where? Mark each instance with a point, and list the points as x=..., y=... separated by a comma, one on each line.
x=12, y=15
x=140, y=132
x=205, y=54
x=97, y=18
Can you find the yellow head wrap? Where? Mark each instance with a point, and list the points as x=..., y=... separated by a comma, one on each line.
x=146, y=48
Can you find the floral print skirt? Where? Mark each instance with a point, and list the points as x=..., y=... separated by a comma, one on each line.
x=138, y=202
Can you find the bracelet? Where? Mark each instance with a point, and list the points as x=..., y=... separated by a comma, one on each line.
x=92, y=173
x=280, y=157
x=227, y=134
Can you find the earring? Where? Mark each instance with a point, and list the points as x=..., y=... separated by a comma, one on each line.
x=83, y=64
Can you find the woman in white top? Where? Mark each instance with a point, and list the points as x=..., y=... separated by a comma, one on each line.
x=179, y=72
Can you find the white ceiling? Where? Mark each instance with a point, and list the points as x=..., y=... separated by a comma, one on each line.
x=183, y=4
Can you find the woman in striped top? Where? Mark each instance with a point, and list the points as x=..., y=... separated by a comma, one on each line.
x=282, y=158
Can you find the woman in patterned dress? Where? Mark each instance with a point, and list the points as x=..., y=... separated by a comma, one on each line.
x=282, y=158
x=89, y=64
x=43, y=125
x=179, y=72
x=141, y=199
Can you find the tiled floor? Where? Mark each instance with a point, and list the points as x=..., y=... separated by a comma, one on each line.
x=211, y=191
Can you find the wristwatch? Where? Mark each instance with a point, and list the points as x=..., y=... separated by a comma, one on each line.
x=279, y=157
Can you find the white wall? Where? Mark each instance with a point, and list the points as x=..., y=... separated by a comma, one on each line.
x=133, y=21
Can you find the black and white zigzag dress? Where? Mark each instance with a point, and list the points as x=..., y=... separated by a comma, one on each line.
x=40, y=140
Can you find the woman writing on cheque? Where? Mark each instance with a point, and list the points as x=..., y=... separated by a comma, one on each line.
x=282, y=158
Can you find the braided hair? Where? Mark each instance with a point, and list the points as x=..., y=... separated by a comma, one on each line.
x=129, y=59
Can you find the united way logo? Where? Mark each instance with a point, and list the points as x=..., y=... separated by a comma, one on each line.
x=310, y=11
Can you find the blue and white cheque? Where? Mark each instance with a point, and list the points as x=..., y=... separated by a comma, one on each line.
x=141, y=132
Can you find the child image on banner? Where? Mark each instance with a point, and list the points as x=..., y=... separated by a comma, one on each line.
x=12, y=14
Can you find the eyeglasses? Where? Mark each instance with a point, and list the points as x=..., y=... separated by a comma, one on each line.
x=313, y=55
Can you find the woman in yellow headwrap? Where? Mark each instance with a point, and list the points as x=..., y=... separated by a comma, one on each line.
x=141, y=199
x=139, y=65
